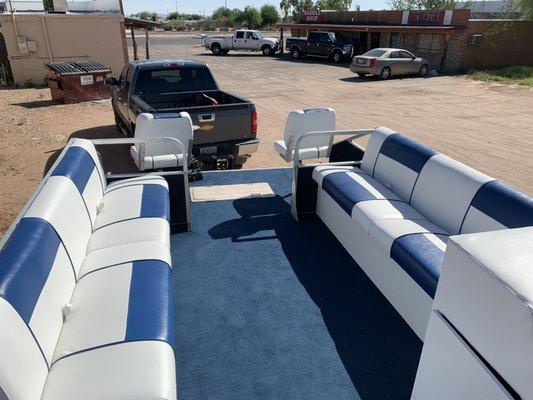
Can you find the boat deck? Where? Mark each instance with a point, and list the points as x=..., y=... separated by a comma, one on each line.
x=270, y=308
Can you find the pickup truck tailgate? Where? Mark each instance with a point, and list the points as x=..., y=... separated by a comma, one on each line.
x=221, y=123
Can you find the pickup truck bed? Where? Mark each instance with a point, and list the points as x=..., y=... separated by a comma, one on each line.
x=227, y=124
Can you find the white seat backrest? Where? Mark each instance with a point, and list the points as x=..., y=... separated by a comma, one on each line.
x=300, y=122
x=60, y=203
x=444, y=191
x=178, y=126
x=36, y=282
x=82, y=166
x=377, y=137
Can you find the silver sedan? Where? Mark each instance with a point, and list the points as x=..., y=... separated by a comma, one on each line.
x=388, y=62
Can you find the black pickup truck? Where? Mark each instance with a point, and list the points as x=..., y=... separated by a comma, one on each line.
x=227, y=124
x=320, y=44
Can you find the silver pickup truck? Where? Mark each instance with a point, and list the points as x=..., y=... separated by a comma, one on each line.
x=227, y=124
x=242, y=39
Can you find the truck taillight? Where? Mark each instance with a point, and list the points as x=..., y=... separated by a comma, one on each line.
x=372, y=62
x=254, y=123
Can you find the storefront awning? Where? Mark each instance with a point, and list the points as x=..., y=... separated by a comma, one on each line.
x=370, y=28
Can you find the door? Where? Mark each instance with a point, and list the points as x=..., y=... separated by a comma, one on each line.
x=6, y=77
x=313, y=44
x=411, y=65
x=251, y=41
x=397, y=63
x=239, y=41
x=375, y=40
x=120, y=96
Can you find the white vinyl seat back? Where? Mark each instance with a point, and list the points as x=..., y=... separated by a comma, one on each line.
x=300, y=122
x=37, y=279
x=395, y=161
x=163, y=154
x=444, y=191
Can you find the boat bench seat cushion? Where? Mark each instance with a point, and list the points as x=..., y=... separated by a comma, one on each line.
x=349, y=188
x=85, y=298
x=131, y=370
x=421, y=256
x=133, y=303
x=304, y=154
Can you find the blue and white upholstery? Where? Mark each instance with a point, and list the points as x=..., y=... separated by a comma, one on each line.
x=300, y=122
x=165, y=154
x=403, y=202
x=85, y=299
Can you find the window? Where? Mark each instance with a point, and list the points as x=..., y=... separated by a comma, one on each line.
x=395, y=54
x=173, y=80
x=249, y=35
x=394, y=40
x=429, y=42
x=405, y=54
x=375, y=53
x=239, y=35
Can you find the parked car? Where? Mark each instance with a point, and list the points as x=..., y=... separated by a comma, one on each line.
x=227, y=123
x=319, y=44
x=389, y=62
x=242, y=39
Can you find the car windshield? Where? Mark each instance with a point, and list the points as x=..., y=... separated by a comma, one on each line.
x=258, y=35
x=172, y=80
x=375, y=53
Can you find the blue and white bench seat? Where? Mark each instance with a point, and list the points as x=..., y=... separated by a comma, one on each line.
x=86, y=312
x=407, y=199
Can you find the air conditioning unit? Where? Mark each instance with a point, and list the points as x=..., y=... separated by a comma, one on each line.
x=475, y=40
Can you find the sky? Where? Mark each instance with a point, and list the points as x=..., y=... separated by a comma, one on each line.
x=207, y=6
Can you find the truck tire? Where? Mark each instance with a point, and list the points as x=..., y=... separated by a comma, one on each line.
x=336, y=56
x=224, y=52
x=216, y=49
x=296, y=53
x=267, y=50
x=117, y=121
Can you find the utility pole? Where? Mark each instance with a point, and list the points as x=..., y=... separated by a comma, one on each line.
x=176, y=5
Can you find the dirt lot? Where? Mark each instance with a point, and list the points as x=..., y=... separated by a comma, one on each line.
x=488, y=126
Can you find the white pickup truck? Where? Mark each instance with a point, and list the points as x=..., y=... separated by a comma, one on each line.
x=242, y=39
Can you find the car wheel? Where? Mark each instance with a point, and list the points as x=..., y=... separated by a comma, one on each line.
x=117, y=120
x=361, y=74
x=295, y=53
x=216, y=49
x=267, y=50
x=337, y=57
x=423, y=70
x=385, y=73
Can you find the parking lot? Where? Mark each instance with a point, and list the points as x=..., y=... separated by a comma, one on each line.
x=488, y=126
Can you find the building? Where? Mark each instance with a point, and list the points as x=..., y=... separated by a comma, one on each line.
x=31, y=35
x=491, y=9
x=449, y=39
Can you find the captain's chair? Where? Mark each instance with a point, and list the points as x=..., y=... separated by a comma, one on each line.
x=157, y=155
x=300, y=122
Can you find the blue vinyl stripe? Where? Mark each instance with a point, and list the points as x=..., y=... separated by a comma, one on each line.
x=25, y=264
x=77, y=165
x=166, y=115
x=345, y=191
x=150, y=303
x=408, y=152
x=504, y=204
x=420, y=258
x=155, y=202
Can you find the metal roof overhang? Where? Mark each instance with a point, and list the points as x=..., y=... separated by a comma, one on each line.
x=130, y=22
x=371, y=28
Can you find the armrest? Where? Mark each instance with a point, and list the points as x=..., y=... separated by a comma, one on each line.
x=485, y=291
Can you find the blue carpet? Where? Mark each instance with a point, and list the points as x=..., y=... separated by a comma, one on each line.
x=270, y=308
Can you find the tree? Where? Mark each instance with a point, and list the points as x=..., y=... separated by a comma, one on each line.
x=422, y=4
x=269, y=15
x=250, y=16
x=526, y=9
x=174, y=16
x=147, y=15
x=339, y=5
x=285, y=6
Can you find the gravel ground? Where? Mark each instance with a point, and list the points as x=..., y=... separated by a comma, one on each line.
x=487, y=126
